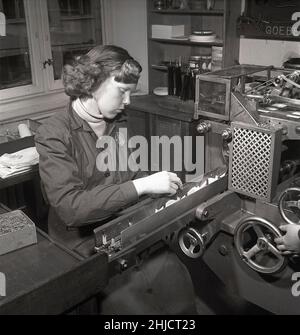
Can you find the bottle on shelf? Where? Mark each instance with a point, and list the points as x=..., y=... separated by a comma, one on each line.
x=171, y=79
x=178, y=78
x=188, y=86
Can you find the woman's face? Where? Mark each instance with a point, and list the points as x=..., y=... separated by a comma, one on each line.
x=112, y=96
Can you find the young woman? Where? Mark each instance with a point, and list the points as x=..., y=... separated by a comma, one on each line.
x=82, y=195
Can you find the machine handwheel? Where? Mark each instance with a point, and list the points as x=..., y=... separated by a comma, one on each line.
x=289, y=205
x=191, y=242
x=254, y=241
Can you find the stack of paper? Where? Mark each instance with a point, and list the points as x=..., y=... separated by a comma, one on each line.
x=167, y=31
x=18, y=162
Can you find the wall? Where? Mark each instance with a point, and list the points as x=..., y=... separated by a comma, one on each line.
x=266, y=52
x=129, y=29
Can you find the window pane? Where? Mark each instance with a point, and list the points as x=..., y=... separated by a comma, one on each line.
x=75, y=27
x=15, y=68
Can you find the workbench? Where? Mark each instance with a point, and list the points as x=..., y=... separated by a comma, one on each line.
x=47, y=278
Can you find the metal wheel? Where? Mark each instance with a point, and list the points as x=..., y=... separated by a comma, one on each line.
x=191, y=242
x=289, y=205
x=254, y=241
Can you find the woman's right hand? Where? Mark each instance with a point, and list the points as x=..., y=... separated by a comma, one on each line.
x=158, y=183
x=290, y=242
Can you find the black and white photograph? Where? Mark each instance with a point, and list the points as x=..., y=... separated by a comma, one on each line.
x=149, y=161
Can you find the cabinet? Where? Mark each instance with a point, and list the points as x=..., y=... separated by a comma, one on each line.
x=220, y=19
x=148, y=117
x=41, y=36
x=75, y=28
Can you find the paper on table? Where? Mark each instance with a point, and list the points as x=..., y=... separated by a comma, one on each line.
x=18, y=162
x=6, y=172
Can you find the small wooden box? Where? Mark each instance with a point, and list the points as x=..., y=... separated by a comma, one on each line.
x=167, y=31
x=16, y=231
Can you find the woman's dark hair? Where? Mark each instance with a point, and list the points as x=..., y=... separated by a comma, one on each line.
x=88, y=72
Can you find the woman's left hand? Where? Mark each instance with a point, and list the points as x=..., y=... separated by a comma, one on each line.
x=290, y=242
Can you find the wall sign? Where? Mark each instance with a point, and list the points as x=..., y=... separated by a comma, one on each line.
x=270, y=19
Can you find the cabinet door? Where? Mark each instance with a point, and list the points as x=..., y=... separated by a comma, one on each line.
x=138, y=125
x=173, y=145
x=74, y=28
x=166, y=149
x=170, y=150
x=138, y=122
x=19, y=64
x=180, y=151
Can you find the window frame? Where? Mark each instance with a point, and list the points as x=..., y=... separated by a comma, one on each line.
x=45, y=93
x=33, y=37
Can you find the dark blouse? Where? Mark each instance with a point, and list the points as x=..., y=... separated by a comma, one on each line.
x=80, y=196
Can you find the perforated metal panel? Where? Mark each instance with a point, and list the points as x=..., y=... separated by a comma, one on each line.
x=254, y=160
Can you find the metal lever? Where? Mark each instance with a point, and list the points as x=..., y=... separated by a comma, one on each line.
x=192, y=242
x=203, y=128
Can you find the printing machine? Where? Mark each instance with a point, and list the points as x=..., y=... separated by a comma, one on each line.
x=229, y=217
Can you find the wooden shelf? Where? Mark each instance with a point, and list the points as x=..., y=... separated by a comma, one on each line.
x=221, y=20
x=164, y=68
x=159, y=67
x=79, y=45
x=77, y=17
x=187, y=42
x=188, y=12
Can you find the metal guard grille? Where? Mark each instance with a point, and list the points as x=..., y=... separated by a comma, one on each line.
x=251, y=165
